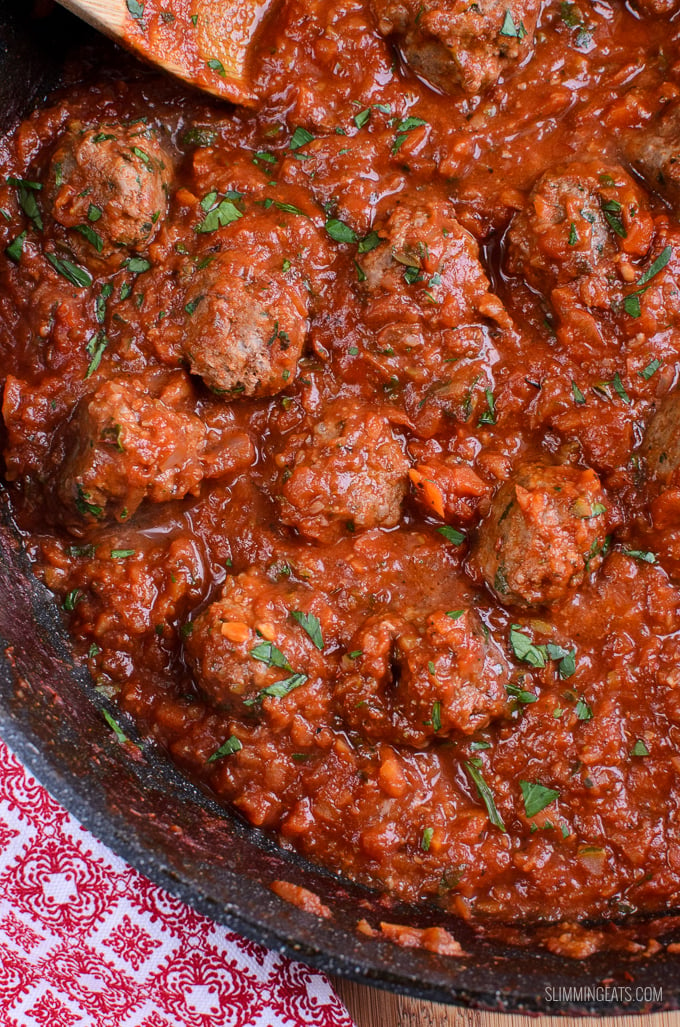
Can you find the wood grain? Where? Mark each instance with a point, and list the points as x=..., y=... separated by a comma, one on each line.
x=370, y=1007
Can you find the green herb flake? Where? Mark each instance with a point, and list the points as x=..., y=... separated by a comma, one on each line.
x=369, y=242
x=268, y=653
x=436, y=719
x=71, y=272
x=72, y=599
x=640, y=554
x=28, y=202
x=94, y=238
x=217, y=66
x=521, y=695
x=311, y=624
x=583, y=710
x=137, y=265
x=95, y=349
x=631, y=305
x=282, y=688
x=362, y=117
x=479, y=746
x=485, y=794
x=452, y=534
x=121, y=554
x=579, y=398
x=573, y=235
x=300, y=138
x=508, y=28
x=639, y=749
x=651, y=369
x=426, y=839
x=524, y=649
x=619, y=388
x=340, y=232
x=659, y=264
x=136, y=9
x=489, y=415
x=118, y=732
x=536, y=797
x=16, y=248
x=227, y=748
x=222, y=214
x=455, y=614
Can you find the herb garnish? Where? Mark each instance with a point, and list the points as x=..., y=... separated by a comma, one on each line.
x=227, y=748
x=485, y=794
x=536, y=797
x=311, y=624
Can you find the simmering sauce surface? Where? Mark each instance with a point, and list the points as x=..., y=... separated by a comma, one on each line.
x=346, y=432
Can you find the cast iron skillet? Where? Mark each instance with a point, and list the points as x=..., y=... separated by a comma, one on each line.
x=138, y=804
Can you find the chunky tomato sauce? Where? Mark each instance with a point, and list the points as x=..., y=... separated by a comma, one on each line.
x=346, y=431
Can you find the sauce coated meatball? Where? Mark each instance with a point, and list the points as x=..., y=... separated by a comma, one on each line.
x=654, y=150
x=247, y=646
x=107, y=186
x=410, y=685
x=578, y=219
x=348, y=473
x=456, y=45
x=426, y=267
x=661, y=447
x=545, y=528
x=129, y=441
x=247, y=328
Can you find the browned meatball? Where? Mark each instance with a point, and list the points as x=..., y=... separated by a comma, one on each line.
x=130, y=441
x=247, y=325
x=426, y=266
x=577, y=221
x=654, y=150
x=348, y=473
x=406, y=684
x=107, y=185
x=457, y=45
x=545, y=527
x=249, y=641
x=660, y=452
x=661, y=446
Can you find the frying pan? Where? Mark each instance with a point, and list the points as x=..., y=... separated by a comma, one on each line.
x=136, y=802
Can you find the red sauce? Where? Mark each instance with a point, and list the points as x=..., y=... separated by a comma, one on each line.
x=345, y=432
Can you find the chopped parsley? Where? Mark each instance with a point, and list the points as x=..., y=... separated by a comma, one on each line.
x=118, y=732
x=524, y=649
x=136, y=9
x=311, y=624
x=403, y=128
x=426, y=839
x=369, y=242
x=339, y=231
x=27, y=199
x=227, y=748
x=71, y=272
x=300, y=138
x=579, y=398
x=121, y=554
x=16, y=248
x=217, y=66
x=639, y=749
x=612, y=213
x=640, y=554
x=489, y=415
x=651, y=369
x=485, y=794
x=279, y=689
x=583, y=710
x=521, y=695
x=536, y=797
x=268, y=653
x=508, y=28
x=94, y=238
x=95, y=348
x=137, y=265
x=436, y=716
x=452, y=534
x=631, y=304
x=218, y=215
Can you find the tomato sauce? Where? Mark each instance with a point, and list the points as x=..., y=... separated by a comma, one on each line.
x=345, y=431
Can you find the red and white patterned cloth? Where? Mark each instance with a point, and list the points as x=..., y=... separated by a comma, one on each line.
x=86, y=941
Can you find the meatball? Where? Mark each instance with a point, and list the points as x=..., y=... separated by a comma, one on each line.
x=654, y=151
x=661, y=446
x=455, y=45
x=247, y=325
x=248, y=641
x=426, y=266
x=545, y=528
x=410, y=684
x=130, y=441
x=578, y=219
x=348, y=473
x=107, y=186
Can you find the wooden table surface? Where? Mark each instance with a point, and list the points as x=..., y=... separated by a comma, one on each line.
x=371, y=1007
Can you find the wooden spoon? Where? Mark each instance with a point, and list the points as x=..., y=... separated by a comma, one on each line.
x=208, y=43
